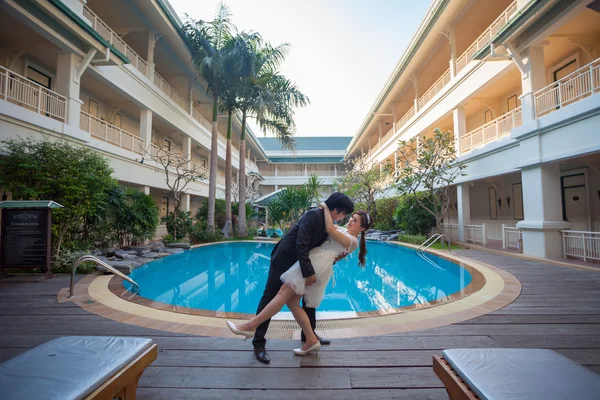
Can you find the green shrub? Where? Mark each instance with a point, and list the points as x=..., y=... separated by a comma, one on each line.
x=168, y=238
x=385, y=213
x=63, y=264
x=179, y=226
x=252, y=232
x=202, y=213
x=201, y=235
x=412, y=217
x=412, y=239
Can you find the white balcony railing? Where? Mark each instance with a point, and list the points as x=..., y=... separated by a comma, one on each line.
x=485, y=37
x=475, y=234
x=110, y=133
x=21, y=91
x=579, y=84
x=111, y=37
x=434, y=89
x=491, y=131
x=170, y=91
x=581, y=244
x=450, y=231
x=396, y=128
x=200, y=118
x=511, y=237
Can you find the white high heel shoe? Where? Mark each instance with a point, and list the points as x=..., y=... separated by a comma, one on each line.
x=315, y=347
x=234, y=329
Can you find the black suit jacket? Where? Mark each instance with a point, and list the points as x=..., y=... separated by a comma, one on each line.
x=306, y=234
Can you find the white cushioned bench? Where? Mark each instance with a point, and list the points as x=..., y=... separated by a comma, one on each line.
x=78, y=367
x=514, y=374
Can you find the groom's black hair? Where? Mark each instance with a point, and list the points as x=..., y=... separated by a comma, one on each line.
x=341, y=202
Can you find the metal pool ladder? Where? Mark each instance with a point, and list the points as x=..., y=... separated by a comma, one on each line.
x=103, y=264
x=429, y=242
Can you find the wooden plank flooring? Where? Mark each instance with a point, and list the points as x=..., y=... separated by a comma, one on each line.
x=559, y=308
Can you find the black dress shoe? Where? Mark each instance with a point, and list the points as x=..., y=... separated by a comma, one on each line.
x=323, y=341
x=261, y=355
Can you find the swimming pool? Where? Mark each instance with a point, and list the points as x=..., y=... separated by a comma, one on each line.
x=230, y=278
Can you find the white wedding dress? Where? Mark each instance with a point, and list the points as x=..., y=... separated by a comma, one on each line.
x=322, y=259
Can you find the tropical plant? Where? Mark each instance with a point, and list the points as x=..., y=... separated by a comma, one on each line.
x=363, y=182
x=385, y=213
x=208, y=42
x=312, y=185
x=76, y=177
x=270, y=98
x=412, y=218
x=430, y=166
x=179, y=225
x=289, y=204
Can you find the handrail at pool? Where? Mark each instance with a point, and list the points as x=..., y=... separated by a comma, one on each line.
x=96, y=260
x=432, y=239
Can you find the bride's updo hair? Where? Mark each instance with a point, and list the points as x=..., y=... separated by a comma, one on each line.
x=365, y=222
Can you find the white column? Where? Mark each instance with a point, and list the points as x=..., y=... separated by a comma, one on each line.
x=76, y=6
x=334, y=169
x=276, y=168
x=146, y=189
x=305, y=170
x=185, y=202
x=150, y=61
x=187, y=150
x=460, y=126
x=452, y=39
x=190, y=94
x=146, y=128
x=542, y=205
x=534, y=80
x=521, y=4
x=463, y=199
x=66, y=85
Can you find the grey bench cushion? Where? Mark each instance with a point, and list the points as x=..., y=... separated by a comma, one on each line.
x=511, y=374
x=70, y=367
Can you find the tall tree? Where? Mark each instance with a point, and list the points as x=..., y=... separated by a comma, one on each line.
x=270, y=98
x=208, y=42
x=429, y=166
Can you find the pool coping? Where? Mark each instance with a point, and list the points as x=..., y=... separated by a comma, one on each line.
x=499, y=289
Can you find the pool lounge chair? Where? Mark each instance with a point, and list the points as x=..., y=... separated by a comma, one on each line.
x=514, y=374
x=78, y=367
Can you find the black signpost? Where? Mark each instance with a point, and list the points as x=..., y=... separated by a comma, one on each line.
x=25, y=238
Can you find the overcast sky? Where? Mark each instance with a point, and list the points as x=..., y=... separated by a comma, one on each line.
x=342, y=51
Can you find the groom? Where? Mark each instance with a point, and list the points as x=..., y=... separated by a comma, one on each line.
x=309, y=232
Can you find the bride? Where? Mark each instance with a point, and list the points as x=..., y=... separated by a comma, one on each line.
x=339, y=243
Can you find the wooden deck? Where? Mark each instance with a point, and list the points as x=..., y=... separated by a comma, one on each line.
x=559, y=309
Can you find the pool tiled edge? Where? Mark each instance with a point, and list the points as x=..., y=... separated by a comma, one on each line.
x=491, y=289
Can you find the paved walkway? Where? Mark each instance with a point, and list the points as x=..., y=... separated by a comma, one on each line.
x=559, y=308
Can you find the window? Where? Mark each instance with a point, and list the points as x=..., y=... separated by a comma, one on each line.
x=492, y=200
x=488, y=116
x=166, y=144
x=511, y=103
x=37, y=76
x=118, y=121
x=93, y=108
x=164, y=207
x=561, y=72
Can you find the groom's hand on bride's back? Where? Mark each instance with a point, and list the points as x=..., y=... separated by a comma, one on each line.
x=308, y=281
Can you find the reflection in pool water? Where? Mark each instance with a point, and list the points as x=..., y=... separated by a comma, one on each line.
x=230, y=277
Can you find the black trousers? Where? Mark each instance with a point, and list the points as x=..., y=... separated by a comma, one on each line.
x=279, y=264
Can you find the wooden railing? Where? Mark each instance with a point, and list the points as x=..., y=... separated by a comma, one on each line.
x=19, y=90
x=580, y=84
x=434, y=89
x=581, y=244
x=170, y=91
x=110, y=133
x=450, y=231
x=111, y=37
x=486, y=36
x=491, y=131
x=475, y=234
x=511, y=237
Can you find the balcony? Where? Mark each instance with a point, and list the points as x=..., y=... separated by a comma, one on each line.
x=491, y=131
x=578, y=85
x=109, y=133
x=21, y=91
x=486, y=36
x=111, y=37
x=434, y=89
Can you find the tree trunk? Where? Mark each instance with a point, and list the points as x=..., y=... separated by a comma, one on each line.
x=228, y=172
x=242, y=231
x=212, y=183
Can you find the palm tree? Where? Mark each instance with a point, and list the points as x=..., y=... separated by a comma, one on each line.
x=313, y=184
x=270, y=98
x=209, y=42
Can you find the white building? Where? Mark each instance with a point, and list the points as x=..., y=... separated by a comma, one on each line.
x=517, y=83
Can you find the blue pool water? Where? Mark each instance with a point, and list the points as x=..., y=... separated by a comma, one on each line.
x=230, y=277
